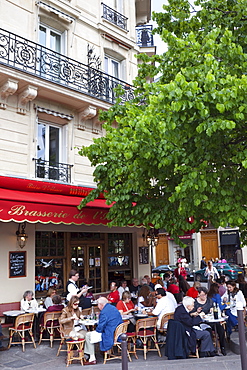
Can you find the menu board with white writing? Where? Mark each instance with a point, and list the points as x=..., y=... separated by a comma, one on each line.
x=17, y=264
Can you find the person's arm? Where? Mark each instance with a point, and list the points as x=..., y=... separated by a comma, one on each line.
x=102, y=323
x=35, y=304
x=64, y=317
x=219, y=303
x=24, y=305
x=216, y=272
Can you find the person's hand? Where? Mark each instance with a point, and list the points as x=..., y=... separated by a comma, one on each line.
x=194, y=314
x=224, y=299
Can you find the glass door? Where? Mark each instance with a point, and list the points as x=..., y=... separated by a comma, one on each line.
x=87, y=260
x=95, y=263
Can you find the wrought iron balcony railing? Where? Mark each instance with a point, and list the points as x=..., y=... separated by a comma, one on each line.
x=114, y=17
x=144, y=37
x=34, y=59
x=52, y=170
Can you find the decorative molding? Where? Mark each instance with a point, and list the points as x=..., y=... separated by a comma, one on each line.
x=27, y=95
x=87, y=114
x=96, y=126
x=8, y=88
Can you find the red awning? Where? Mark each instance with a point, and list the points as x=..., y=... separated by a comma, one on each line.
x=35, y=207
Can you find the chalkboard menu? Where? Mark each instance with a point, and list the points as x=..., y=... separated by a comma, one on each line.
x=143, y=255
x=17, y=264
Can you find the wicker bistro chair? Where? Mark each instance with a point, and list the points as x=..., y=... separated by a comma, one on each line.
x=23, y=323
x=72, y=346
x=50, y=325
x=146, y=331
x=110, y=355
x=164, y=320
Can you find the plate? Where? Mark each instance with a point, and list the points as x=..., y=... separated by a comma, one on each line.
x=141, y=315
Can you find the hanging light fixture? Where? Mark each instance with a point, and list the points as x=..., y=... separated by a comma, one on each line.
x=21, y=235
x=152, y=237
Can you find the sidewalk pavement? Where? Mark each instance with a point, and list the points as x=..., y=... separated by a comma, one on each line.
x=44, y=358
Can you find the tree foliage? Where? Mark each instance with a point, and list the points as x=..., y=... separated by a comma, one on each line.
x=180, y=148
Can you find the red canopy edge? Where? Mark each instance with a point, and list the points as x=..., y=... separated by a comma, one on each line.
x=20, y=206
x=44, y=186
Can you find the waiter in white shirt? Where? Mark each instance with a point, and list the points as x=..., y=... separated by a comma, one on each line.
x=71, y=286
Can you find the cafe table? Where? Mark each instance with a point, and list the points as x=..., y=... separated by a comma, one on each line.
x=14, y=313
x=211, y=320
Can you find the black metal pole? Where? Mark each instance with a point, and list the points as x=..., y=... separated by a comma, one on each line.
x=124, y=352
x=241, y=333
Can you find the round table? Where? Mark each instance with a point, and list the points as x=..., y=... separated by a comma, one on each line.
x=211, y=320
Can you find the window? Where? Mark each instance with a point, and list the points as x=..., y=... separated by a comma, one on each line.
x=50, y=64
x=115, y=4
x=51, y=39
x=50, y=141
x=112, y=67
x=49, y=259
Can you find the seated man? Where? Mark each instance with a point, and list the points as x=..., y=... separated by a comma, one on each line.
x=191, y=322
x=109, y=319
x=164, y=305
x=113, y=296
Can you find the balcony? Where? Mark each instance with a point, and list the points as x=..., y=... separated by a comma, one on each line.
x=52, y=171
x=144, y=37
x=114, y=17
x=31, y=58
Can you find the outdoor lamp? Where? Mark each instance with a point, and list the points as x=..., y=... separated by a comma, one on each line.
x=152, y=237
x=21, y=235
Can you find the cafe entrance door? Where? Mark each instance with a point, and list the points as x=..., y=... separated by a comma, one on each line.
x=87, y=259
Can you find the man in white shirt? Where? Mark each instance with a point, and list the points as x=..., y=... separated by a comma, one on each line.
x=71, y=286
x=164, y=305
x=123, y=288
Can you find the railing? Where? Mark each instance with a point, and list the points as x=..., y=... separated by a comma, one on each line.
x=114, y=17
x=52, y=171
x=37, y=60
x=144, y=37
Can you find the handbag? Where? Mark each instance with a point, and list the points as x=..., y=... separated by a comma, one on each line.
x=95, y=337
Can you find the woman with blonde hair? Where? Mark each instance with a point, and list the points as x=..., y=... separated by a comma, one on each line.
x=48, y=300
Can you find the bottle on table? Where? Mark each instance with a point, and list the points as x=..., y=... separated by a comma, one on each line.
x=41, y=303
x=215, y=311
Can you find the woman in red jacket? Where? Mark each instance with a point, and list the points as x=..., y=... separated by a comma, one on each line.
x=180, y=271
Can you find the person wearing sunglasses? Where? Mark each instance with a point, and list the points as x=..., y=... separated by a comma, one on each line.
x=70, y=320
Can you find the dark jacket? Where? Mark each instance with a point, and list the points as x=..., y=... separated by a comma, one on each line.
x=188, y=322
x=176, y=341
x=109, y=319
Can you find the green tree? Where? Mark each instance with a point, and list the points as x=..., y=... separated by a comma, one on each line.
x=179, y=148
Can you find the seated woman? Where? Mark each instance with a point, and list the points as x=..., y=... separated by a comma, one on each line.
x=184, y=286
x=173, y=286
x=203, y=303
x=56, y=306
x=126, y=306
x=28, y=302
x=231, y=297
x=48, y=300
x=70, y=320
x=146, y=298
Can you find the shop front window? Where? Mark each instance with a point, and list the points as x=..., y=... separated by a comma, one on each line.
x=119, y=257
x=49, y=260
